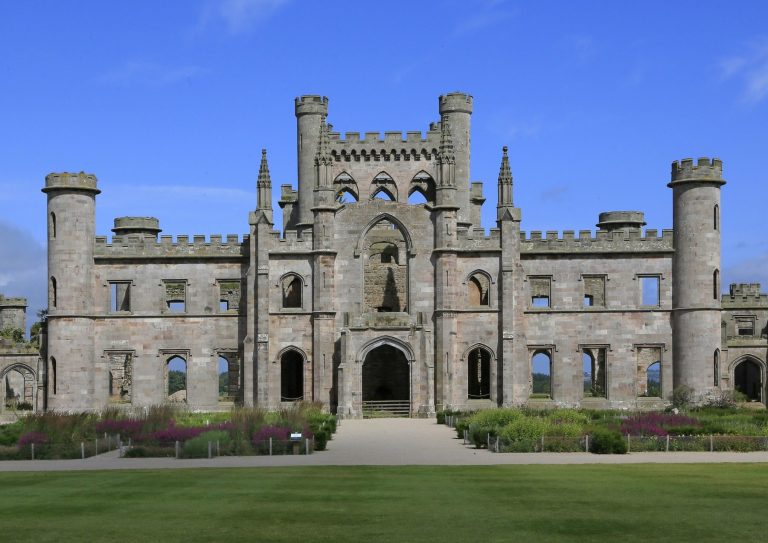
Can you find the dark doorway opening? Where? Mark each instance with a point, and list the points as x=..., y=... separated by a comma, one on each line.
x=748, y=380
x=386, y=383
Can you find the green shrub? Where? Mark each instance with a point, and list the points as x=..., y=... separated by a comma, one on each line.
x=461, y=425
x=197, y=447
x=478, y=435
x=682, y=397
x=135, y=452
x=495, y=418
x=607, y=442
x=567, y=416
x=321, y=440
x=10, y=433
x=525, y=429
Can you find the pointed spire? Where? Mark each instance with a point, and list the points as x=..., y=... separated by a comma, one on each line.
x=505, y=180
x=323, y=155
x=445, y=153
x=264, y=184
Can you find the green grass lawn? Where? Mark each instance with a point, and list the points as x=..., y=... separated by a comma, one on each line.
x=394, y=504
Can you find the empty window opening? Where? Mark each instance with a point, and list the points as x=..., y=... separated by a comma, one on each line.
x=346, y=196
x=292, y=286
x=53, y=293
x=653, y=380
x=650, y=290
x=716, y=218
x=541, y=375
x=19, y=388
x=479, y=374
x=176, y=296
x=594, y=368
x=119, y=296
x=385, y=276
x=716, y=368
x=745, y=327
x=52, y=225
x=120, y=377
x=417, y=197
x=229, y=295
x=478, y=288
x=176, y=368
x=540, y=291
x=383, y=194
x=53, y=374
x=747, y=379
x=291, y=377
x=716, y=284
x=594, y=290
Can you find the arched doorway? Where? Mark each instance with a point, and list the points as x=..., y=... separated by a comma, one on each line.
x=18, y=388
x=291, y=376
x=748, y=379
x=479, y=374
x=386, y=383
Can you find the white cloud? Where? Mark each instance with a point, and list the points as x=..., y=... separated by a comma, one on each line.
x=751, y=68
x=490, y=13
x=23, y=268
x=239, y=16
x=752, y=270
x=149, y=74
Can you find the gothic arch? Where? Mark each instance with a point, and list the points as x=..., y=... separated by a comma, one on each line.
x=471, y=348
x=398, y=344
x=345, y=182
x=483, y=275
x=285, y=350
x=425, y=184
x=757, y=360
x=383, y=182
x=394, y=220
x=295, y=283
x=27, y=375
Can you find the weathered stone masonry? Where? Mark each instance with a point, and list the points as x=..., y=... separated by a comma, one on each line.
x=364, y=299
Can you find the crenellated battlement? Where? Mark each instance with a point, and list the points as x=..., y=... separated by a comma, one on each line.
x=414, y=145
x=601, y=241
x=136, y=246
x=311, y=104
x=71, y=181
x=704, y=169
x=742, y=295
x=456, y=102
x=477, y=239
x=17, y=302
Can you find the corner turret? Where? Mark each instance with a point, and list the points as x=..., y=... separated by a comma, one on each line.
x=311, y=111
x=456, y=113
x=696, y=298
x=148, y=227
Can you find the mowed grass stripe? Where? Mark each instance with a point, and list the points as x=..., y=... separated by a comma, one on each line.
x=489, y=503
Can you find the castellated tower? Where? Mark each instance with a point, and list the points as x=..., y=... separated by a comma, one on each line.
x=696, y=271
x=311, y=111
x=456, y=111
x=71, y=232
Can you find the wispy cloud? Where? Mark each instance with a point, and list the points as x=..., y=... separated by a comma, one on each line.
x=23, y=265
x=752, y=270
x=557, y=193
x=238, y=16
x=488, y=13
x=751, y=68
x=149, y=74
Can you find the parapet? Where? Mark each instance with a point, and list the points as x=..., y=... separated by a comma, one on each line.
x=744, y=295
x=602, y=241
x=143, y=226
x=616, y=220
x=140, y=247
x=455, y=102
x=311, y=104
x=705, y=170
x=411, y=145
x=17, y=303
x=71, y=181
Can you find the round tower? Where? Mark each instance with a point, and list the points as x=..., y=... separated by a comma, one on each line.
x=456, y=111
x=696, y=271
x=311, y=111
x=71, y=233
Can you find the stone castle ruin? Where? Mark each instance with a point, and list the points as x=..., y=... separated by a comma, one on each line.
x=381, y=291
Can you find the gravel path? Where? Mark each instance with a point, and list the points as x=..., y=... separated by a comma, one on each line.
x=386, y=442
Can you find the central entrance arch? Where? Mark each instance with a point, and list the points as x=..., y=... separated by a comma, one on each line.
x=386, y=382
x=748, y=379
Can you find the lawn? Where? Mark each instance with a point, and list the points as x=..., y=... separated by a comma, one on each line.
x=393, y=504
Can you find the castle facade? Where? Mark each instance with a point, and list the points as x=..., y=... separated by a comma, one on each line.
x=367, y=299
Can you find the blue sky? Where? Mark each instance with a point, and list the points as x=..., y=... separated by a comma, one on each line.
x=169, y=104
